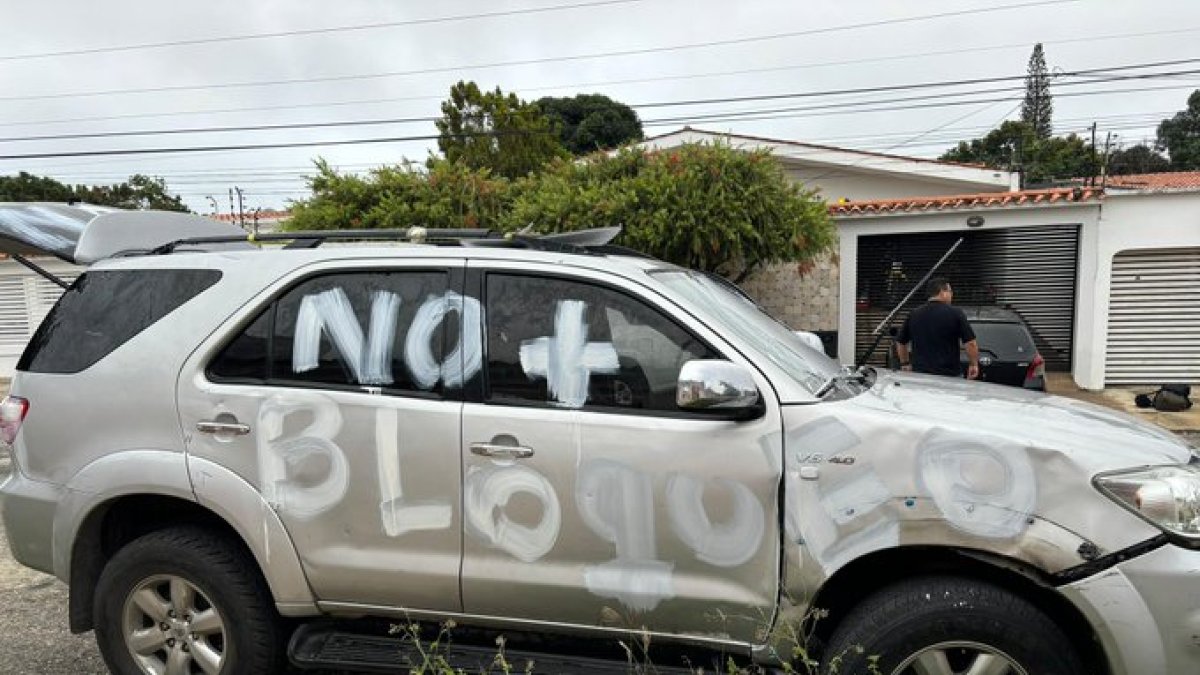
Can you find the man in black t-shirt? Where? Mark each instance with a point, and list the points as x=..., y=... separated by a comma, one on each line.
x=935, y=331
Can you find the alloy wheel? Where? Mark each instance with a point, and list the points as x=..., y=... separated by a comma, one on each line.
x=172, y=628
x=959, y=658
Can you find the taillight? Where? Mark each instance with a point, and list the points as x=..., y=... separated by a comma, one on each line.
x=12, y=412
x=1037, y=368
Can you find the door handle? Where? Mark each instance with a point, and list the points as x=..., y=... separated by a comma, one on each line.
x=215, y=427
x=501, y=451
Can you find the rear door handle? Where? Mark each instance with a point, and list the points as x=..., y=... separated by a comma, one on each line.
x=229, y=428
x=501, y=451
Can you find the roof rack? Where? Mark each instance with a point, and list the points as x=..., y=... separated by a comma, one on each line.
x=583, y=241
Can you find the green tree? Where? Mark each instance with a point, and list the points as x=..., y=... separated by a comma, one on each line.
x=1180, y=136
x=1015, y=146
x=708, y=207
x=1037, y=109
x=495, y=131
x=590, y=122
x=139, y=192
x=26, y=187
x=444, y=194
x=1139, y=158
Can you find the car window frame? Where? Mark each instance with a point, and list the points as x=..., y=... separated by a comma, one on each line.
x=478, y=282
x=451, y=269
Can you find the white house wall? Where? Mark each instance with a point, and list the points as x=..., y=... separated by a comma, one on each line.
x=25, y=298
x=1127, y=222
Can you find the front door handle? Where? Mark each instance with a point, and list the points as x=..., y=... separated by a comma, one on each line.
x=222, y=427
x=501, y=451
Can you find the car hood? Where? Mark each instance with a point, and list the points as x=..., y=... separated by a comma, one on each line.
x=1095, y=438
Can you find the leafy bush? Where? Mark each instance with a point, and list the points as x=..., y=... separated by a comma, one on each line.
x=707, y=207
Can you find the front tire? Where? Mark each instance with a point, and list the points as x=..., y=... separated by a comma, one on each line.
x=186, y=601
x=948, y=626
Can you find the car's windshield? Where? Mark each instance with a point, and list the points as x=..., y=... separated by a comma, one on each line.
x=732, y=313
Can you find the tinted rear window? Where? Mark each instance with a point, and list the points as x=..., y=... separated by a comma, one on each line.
x=1007, y=341
x=103, y=310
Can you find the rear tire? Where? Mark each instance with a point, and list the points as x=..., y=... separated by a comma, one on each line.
x=945, y=625
x=189, y=601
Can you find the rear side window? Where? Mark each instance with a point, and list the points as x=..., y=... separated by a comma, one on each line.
x=103, y=310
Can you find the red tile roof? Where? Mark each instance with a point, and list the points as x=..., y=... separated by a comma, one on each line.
x=969, y=201
x=1175, y=180
x=249, y=216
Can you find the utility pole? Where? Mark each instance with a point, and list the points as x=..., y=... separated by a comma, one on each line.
x=241, y=208
x=1104, y=166
x=1095, y=169
x=213, y=201
x=231, y=209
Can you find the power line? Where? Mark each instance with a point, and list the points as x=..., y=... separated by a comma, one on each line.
x=313, y=31
x=429, y=137
x=549, y=59
x=727, y=115
x=585, y=85
x=858, y=108
x=922, y=85
x=876, y=142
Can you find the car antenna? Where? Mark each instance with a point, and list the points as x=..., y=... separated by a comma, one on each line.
x=879, y=330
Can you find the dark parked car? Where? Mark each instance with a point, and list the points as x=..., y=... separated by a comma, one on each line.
x=1007, y=353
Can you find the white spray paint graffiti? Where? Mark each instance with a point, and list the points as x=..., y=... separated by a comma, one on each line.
x=987, y=490
x=399, y=515
x=459, y=365
x=305, y=474
x=841, y=522
x=488, y=491
x=567, y=359
x=330, y=311
x=370, y=358
x=617, y=503
x=377, y=357
x=723, y=545
x=985, y=487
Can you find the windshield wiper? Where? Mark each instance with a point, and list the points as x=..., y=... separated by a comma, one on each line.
x=861, y=375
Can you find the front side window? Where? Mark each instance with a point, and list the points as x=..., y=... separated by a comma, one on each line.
x=371, y=329
x=569, y=344
x=730, y=312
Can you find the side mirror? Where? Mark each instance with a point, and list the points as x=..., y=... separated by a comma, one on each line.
x=811, y=339
x=722, y=388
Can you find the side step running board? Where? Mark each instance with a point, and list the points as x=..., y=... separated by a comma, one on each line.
x=324, y=646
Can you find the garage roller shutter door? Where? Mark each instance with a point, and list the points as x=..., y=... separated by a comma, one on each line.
x=1154, y=317
x=1030, y=270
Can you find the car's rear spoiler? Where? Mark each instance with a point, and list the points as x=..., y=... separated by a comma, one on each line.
x=83, y=234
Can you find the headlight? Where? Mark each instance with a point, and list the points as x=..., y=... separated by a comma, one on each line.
x=1168, y=496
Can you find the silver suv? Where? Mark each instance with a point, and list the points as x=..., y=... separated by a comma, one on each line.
x=238, y=456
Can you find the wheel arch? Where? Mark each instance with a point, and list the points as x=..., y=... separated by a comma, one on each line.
x=222, y=502
x=869, y=574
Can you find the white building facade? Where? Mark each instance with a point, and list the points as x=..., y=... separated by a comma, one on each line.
x=1128, y=295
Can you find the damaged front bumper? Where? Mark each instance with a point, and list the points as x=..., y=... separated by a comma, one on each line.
x=1145, y=611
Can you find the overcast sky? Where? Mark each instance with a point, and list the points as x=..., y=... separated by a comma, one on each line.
x=765, y=48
